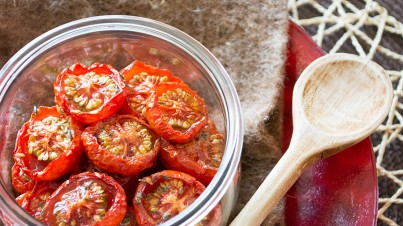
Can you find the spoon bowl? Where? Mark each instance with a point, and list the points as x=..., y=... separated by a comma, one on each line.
x=338, y=100
x=343, y=98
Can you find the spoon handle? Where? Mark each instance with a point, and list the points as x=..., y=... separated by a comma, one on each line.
x=276, y=184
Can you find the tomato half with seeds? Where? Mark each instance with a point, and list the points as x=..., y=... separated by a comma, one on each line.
x=128, y=183
x=47, y=147
x=140, y=79
x=135, y=104
x=165, y=194
x=199, y=157
x=34, y=201
x=89, y=93
x=176, y=112
x=121, y=144
x=86, y=199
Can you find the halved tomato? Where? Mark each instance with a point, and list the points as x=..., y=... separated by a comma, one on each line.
x=121, y=144
x=165, y=194
x=89, y=93
x=176, y=112
x=140, y=79
x=34, y=201
x=47, y=147
x=135, y=104
x=128, y=183
x=86, y=199
x=199, y=157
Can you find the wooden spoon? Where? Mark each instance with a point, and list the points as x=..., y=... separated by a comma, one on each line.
x=338, y=100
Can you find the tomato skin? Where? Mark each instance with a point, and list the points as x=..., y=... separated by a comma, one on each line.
x=140, y=89
x=199, y=157
x=213, y=218
x=33, y=201
x=156, y=113
x=121, y=164
x=149, y=185
x=39, y=170
x=137, y=67
x=116, y=204
x=128, y=183
x=108, y=108
x=173, y=160
x=21, y=179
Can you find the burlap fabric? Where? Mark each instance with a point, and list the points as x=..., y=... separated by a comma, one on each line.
x=248, y=37
x=373, y=29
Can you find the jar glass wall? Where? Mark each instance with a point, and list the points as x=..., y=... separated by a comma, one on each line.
x=27, y=81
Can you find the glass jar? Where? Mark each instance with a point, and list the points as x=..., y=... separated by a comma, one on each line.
x=26, y=81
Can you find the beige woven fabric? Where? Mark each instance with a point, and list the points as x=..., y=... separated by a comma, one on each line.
x=361, y=27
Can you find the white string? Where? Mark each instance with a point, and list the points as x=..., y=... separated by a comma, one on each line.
x=342, y=15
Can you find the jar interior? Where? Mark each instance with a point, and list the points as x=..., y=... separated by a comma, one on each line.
x=31, y=85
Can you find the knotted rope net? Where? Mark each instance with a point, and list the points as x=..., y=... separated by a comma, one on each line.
x=364, y=28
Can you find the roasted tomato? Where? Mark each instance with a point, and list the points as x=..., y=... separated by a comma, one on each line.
x=213, y=218
x=135, y=104
x=176, y=112
x=121, y=144
x=86, y=199
x=34, y=201
x=199, y=157
x=89, y=93
x=47, y=146
x=140, y=78
x=165, y=194
x=128, y=183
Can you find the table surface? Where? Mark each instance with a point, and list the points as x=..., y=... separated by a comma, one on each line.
x=372, y=29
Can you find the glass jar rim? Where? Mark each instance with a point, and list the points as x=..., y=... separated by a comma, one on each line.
x=234, y=123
